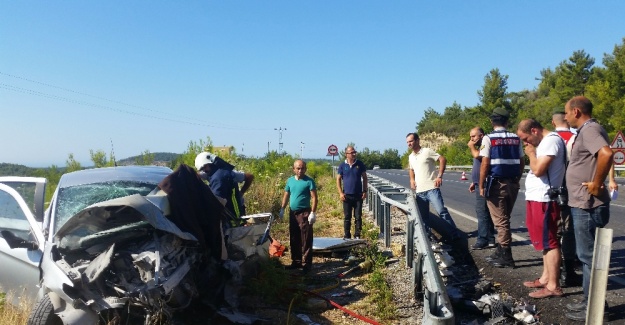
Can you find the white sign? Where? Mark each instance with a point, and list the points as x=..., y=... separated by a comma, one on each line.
x=619, y=157
x=618, y=142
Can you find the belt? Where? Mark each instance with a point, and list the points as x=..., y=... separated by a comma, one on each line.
x=302, y=210
x=506, y=179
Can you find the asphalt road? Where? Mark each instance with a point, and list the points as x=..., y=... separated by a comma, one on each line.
x=460, y=203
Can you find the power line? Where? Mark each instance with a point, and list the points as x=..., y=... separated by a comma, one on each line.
x=69, y=100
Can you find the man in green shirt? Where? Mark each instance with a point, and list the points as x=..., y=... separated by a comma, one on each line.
x=301, y=194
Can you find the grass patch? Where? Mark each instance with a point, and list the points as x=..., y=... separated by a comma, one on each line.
x=11, y=314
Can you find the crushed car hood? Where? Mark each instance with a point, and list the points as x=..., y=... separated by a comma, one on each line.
x=126, y=214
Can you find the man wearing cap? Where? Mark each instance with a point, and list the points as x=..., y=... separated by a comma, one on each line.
x=224, y=182
x=568, y=275
x=589, y=165
x=502, y=166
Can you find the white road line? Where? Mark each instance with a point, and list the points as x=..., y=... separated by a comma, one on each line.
x=466, y=216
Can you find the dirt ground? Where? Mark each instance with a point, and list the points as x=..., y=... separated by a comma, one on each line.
x=470, y=269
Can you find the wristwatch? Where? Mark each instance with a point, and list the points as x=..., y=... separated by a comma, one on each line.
x=439, y=176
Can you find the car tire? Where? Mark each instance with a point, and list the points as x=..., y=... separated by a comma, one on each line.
x=43, y=313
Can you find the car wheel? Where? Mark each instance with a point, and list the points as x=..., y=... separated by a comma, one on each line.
x=43, y=313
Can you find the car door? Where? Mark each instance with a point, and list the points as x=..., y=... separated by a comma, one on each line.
x=21, y=214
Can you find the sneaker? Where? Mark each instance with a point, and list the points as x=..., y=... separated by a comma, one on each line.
x=579, y=316
x=577, y=306
x=479, y=246
x=546, y=293
x=357, y=237
x=534, y=284
x=582, y=305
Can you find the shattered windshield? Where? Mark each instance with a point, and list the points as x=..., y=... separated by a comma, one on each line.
x=73, y=199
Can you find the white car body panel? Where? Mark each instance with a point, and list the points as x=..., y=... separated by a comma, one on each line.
x=19, y=273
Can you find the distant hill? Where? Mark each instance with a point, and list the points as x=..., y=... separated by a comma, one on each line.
x=16, y=170
x=6, y=169
x=160, y=158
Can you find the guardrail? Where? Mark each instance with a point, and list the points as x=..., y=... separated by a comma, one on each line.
x=463, y=167
x=381, y=195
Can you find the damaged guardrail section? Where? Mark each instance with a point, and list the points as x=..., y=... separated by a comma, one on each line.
x=381, y=195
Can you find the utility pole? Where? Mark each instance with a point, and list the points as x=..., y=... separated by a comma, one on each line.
x=280, y=129
x=301, y=148
x=268, y=147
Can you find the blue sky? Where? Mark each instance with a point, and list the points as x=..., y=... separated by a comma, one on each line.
x=155, y=75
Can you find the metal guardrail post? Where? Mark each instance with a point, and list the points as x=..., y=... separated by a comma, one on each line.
x=386, y=224
x=382, y=216
x=409, y=242
x=436, y=304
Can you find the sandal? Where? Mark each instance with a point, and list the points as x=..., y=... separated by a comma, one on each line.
x=534, y=284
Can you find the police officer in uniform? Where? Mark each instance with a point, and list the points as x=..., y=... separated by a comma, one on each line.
x=502, y=166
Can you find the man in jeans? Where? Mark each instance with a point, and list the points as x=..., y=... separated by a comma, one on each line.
x=485, y=226
x=589, y=164
x=352, y=173
x=426, y=180
x=568, y=275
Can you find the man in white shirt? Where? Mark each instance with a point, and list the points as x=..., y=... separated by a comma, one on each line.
x=547, y=160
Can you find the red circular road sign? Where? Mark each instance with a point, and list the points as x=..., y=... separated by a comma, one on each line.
x=619, y=157
x=333, y=150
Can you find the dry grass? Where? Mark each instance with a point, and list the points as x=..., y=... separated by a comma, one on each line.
x=11, y=314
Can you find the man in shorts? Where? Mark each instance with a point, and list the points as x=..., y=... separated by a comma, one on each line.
x=547, y=159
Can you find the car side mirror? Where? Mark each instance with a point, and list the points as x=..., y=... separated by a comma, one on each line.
x=17, y=242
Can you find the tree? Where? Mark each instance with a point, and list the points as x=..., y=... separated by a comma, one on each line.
x=193, y=149
x=146, y=158
x=607, y=90
x=390, y=159
x=429, y=122
x=99, y=159
x=493, y=93
x=573, y=75
x=71, y=164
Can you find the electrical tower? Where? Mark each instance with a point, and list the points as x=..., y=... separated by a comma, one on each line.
x=280, y=129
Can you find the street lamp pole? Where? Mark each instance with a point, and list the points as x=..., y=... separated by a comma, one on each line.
x=301, y=155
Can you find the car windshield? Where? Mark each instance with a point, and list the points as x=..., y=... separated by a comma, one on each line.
x=73, y=199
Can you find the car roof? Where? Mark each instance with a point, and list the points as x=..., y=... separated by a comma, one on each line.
x=148, y=174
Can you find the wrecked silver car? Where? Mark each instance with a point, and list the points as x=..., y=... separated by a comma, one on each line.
x=134, y=245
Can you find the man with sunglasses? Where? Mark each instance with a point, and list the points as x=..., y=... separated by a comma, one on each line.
x=351, y=182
